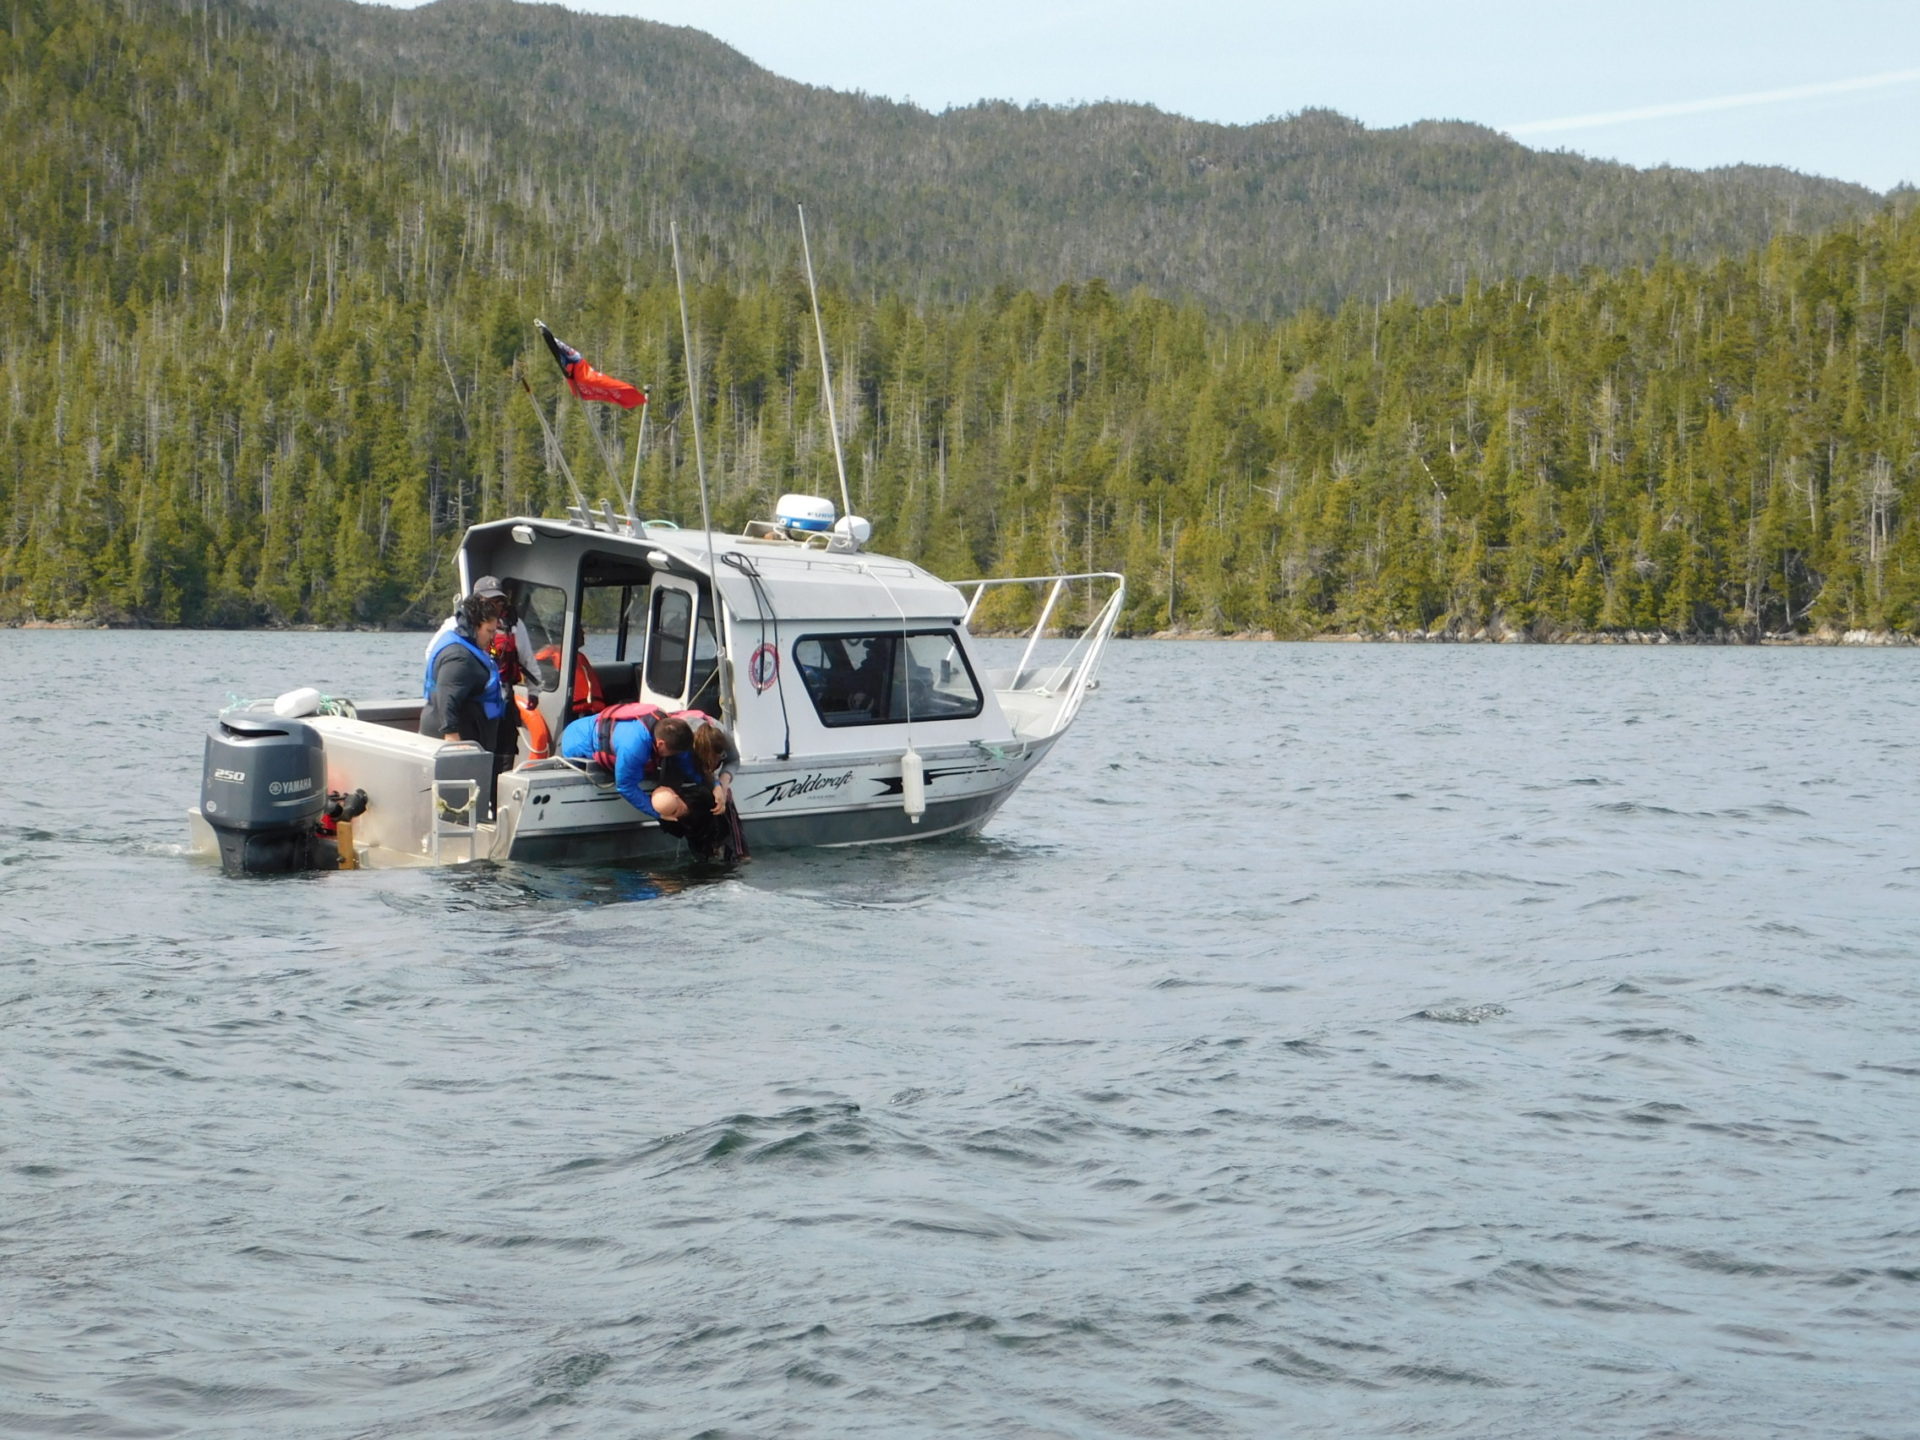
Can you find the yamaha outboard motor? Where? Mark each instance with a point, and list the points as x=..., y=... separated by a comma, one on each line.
x=262, y=789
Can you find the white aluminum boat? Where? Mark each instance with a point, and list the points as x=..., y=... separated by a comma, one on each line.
x=850, y=682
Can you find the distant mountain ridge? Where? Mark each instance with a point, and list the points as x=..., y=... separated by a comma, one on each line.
x=266, y=345
x=1253, y=220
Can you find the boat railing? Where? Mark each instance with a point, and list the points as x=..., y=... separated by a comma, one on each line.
x=1066, y=679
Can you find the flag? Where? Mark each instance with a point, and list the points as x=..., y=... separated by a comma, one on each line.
x=586, y=382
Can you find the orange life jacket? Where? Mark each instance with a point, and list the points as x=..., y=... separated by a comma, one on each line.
x=589, y=695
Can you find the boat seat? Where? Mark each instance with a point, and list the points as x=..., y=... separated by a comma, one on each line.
x=619, y=679
x=399, y=714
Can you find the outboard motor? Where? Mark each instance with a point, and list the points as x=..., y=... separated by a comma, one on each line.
x=262, y=789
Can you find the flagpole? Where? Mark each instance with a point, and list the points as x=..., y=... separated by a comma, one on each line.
x=826, y=377
x=579, y=500
x=606, y=455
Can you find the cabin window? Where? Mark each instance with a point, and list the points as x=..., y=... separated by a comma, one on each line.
x=543, y=610
x=668, y=641
x=706, y=667
x=887, y=679
x=603, y=622
x=613, y=607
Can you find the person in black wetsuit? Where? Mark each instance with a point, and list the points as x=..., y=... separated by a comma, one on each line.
x=711, y=826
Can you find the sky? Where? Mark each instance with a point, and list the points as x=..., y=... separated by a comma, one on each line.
x=1828, y=87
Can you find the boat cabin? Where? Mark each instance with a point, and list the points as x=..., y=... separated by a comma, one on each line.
x=834, y=652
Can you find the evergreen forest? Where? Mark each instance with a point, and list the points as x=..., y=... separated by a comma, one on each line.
x=266, y=347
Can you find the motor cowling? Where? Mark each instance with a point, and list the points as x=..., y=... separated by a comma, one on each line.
x=263, y=785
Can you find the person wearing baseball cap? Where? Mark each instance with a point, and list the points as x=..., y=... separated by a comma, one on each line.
x=464, y=696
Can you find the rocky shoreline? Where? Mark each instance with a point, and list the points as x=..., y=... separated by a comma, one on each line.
x=1487, y=635
x=1502, y=635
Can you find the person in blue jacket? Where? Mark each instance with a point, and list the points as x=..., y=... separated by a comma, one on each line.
x=651, y=756
x=464, y=696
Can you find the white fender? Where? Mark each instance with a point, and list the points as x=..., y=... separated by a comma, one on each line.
x=913, y=785
x=295, y=703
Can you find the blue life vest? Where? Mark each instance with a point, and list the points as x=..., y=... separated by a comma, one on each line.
x=493, y=701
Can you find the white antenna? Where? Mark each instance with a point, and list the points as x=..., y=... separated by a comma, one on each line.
x=700, y=465
x=826, y=376
x=693, y=389
x=639, y=444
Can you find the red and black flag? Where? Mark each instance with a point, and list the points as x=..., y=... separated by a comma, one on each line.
x=586, y=382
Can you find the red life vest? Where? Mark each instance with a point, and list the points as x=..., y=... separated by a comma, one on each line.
x=506, y=657
x=603, y=729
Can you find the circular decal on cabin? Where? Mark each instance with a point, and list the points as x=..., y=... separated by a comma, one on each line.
x=763, y=668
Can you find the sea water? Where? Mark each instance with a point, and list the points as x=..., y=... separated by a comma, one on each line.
x=1326, y=1041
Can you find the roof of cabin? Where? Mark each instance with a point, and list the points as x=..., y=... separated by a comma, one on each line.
x=798, y=582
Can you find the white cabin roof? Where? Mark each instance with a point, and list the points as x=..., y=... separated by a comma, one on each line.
x=815, y=585
x=800, y=582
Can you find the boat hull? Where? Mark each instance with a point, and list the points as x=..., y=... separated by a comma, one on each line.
x=559, y=813
x=644, y=840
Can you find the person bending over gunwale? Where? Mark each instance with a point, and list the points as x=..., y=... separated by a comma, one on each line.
x=651, y=753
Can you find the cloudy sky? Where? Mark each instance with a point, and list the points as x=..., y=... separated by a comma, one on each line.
x=1830, y=87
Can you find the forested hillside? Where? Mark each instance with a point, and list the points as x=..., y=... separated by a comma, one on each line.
x=607, y=123
x=259, y=327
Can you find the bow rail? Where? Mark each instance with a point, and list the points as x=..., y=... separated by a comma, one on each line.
x=1041, y=698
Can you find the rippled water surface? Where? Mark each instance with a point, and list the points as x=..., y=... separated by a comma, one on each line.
x=1327, y=1041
